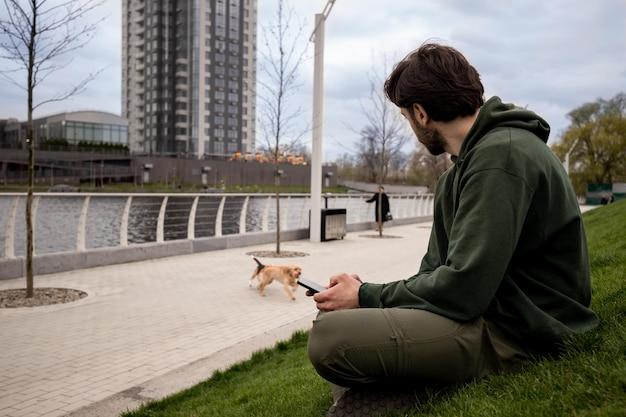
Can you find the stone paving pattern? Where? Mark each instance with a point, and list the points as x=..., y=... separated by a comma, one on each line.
x=146, y=319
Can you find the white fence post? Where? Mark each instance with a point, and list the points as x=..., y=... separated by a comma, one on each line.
x=266, y=215
x=284, y=215
x=304, y=215
x=82, y=223
x=218, y=218
x=161, y=221
x=242, y=216
x=9, y=237
x=124, y=224
x=191, y=224
x=34, y=220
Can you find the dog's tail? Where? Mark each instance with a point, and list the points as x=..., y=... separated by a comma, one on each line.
x=260, y=266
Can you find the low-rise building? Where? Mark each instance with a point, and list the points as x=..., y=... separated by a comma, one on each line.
x=72, y=129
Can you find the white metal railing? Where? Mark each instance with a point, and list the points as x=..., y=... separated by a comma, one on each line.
x=78, y=222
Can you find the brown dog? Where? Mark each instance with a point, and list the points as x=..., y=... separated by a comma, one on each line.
x=286, y=274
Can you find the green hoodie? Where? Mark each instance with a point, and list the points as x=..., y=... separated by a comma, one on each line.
x=507, y=242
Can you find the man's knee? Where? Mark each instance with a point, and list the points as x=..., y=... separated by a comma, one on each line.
x=322, y=343
x=327, y=341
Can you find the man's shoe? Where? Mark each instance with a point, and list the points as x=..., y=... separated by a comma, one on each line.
x=372, y=401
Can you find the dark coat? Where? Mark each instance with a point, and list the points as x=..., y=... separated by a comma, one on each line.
x=384, y=207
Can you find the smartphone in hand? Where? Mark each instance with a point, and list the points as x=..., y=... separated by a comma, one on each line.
x=311, y=285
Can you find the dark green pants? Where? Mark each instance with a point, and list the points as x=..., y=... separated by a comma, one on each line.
x=369, y=345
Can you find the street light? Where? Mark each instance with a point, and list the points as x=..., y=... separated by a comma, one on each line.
x=145, y=178
x=318, y=119
x=566, y=162
x=205, y=176
x=327, y=178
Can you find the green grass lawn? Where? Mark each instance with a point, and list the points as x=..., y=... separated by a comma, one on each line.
x=589, y=380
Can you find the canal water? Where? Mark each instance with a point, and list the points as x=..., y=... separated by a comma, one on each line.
x=57, y=218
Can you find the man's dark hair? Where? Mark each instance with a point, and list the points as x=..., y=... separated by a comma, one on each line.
x=440, y=79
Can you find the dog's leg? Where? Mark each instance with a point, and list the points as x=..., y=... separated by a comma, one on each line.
x=263, y=282
x=287, y=289
x=254, y=275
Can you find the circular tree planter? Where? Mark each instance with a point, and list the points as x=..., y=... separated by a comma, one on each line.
x=42, y=297
x=376, y=236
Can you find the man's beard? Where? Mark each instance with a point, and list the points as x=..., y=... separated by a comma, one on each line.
x=431, y=139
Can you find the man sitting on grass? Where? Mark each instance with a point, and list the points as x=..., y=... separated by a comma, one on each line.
x=506, y=274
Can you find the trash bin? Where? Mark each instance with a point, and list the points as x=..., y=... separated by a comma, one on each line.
x=333, y=224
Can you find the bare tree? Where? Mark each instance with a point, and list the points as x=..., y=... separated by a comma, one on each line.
x=383, y=136
x=426, y=168
x=385, y=133
x=280, y=64
x=34, y=36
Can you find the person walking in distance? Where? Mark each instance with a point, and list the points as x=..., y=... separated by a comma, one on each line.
x=381, y=208
x=506, y=273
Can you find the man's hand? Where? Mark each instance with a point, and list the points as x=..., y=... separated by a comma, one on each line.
x=342, y=293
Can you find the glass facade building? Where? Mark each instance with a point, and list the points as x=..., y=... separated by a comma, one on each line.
x=72, y=128
x=76, y=132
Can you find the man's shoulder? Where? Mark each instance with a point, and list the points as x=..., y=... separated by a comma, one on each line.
x=510, y=148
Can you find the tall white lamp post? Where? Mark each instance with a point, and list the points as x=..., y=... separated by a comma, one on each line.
x=566, y=162
x=318, y=120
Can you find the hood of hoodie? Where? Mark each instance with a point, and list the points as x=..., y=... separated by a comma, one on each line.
x=494, y=114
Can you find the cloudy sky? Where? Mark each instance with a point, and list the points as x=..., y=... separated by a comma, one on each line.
x=551, y=56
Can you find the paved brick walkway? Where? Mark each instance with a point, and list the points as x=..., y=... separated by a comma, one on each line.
x=150, y=328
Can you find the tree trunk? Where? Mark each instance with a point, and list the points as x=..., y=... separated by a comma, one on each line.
x=380, y=214
x=29, y=202
x=277, y=184
x=31, y=159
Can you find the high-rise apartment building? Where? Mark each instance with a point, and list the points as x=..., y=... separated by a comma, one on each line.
x=189, y=75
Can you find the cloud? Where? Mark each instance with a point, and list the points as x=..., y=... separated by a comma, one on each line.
x=549, y=55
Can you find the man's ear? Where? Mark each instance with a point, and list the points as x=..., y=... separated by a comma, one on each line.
x=421, y=117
